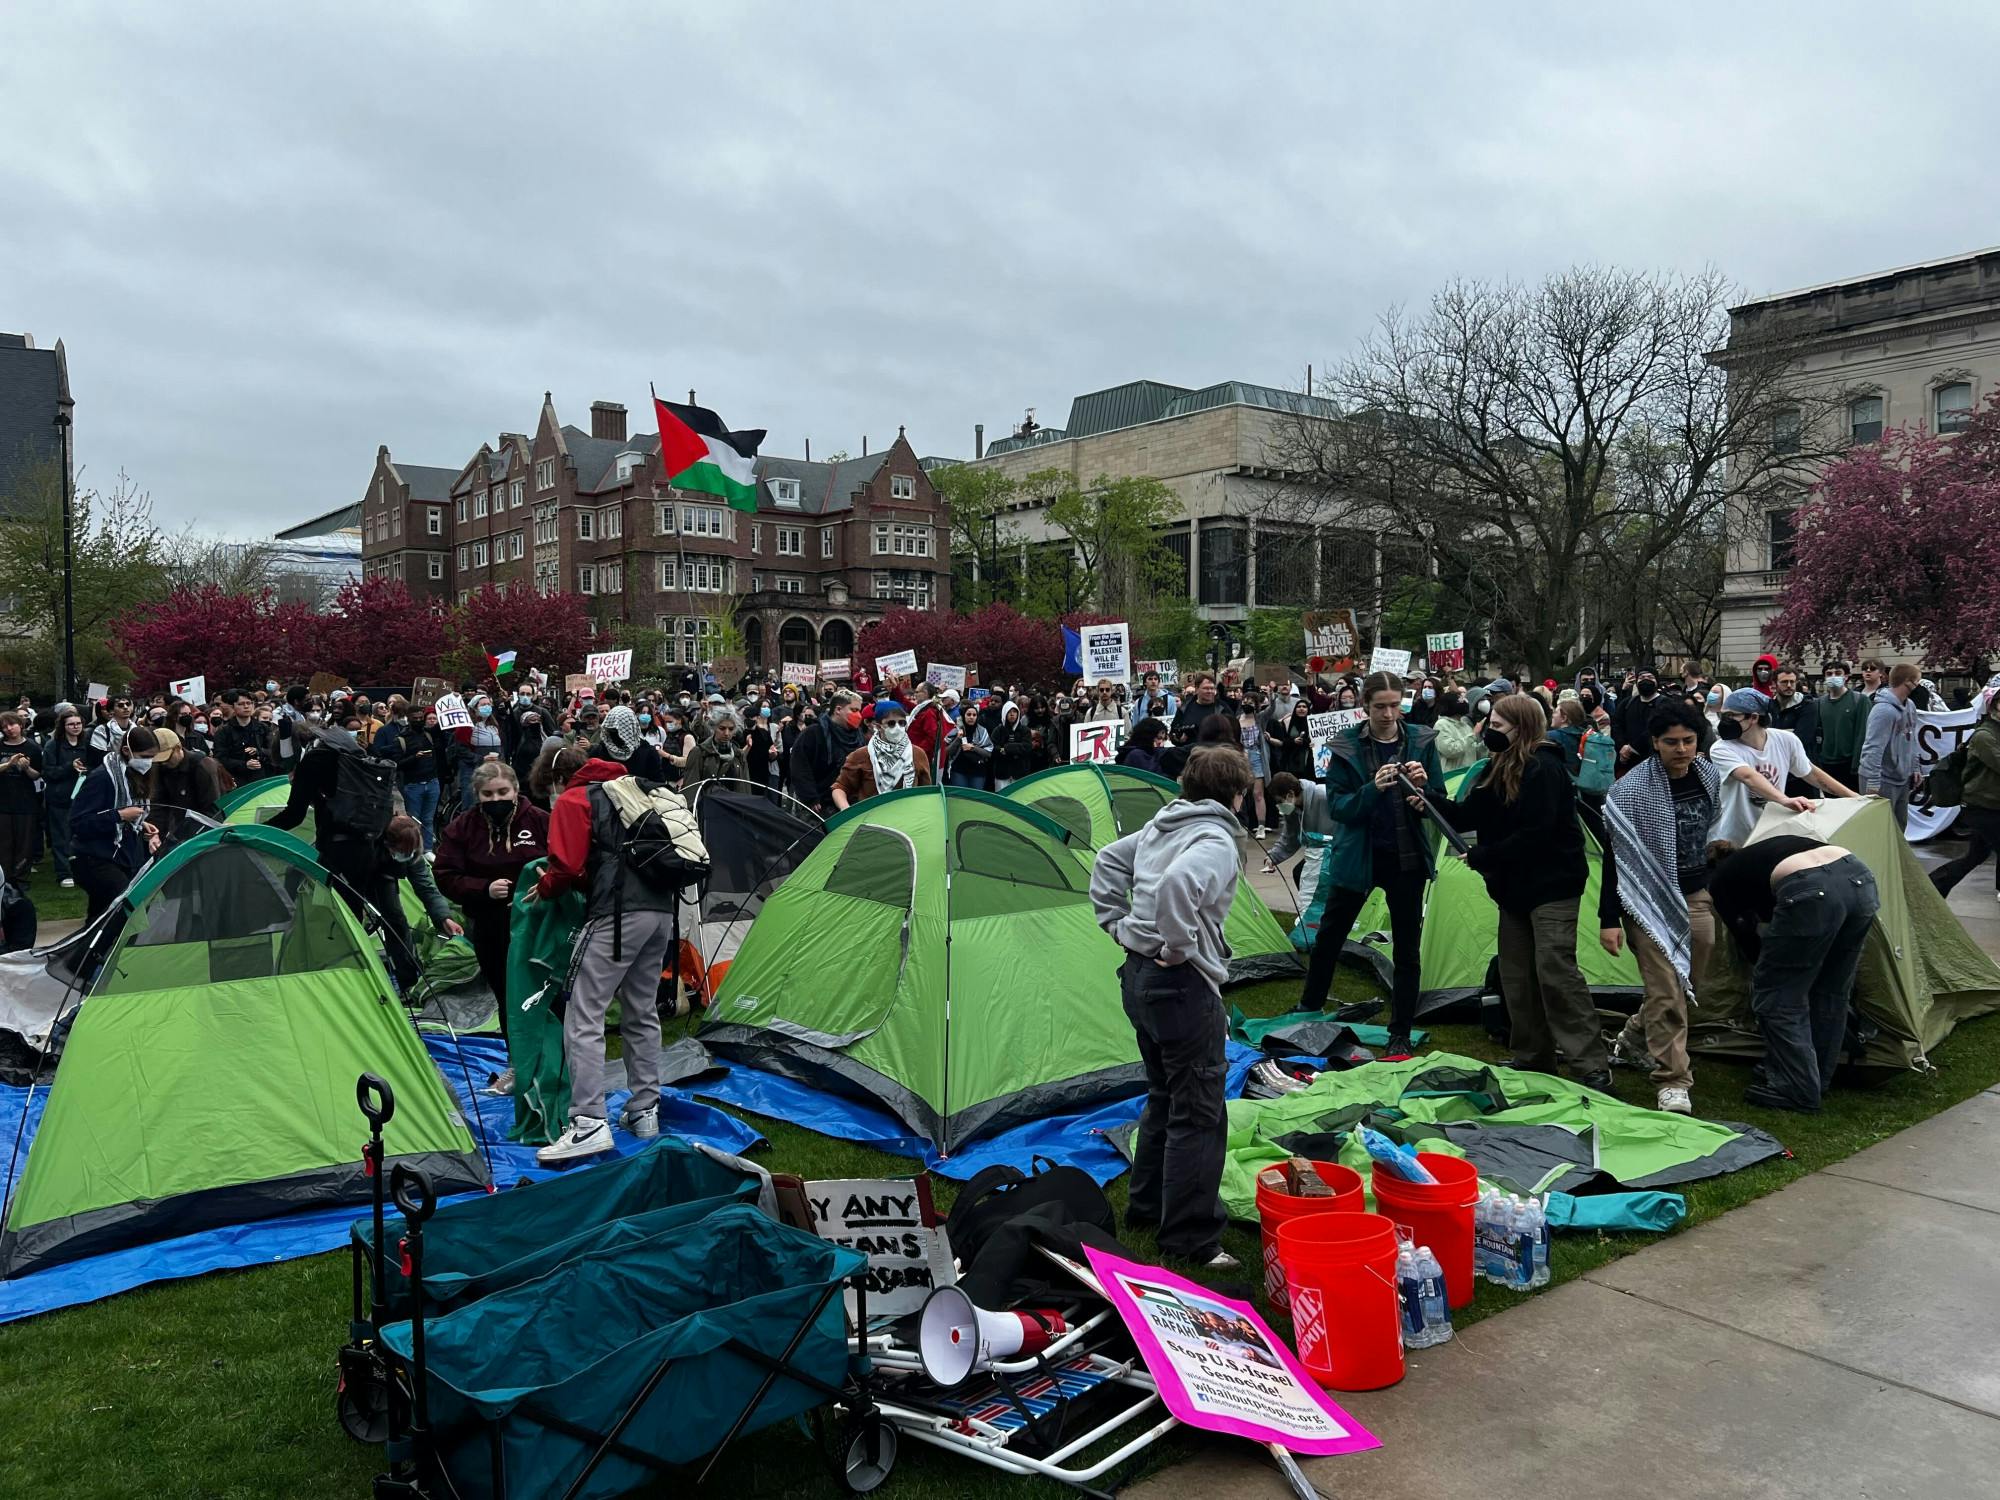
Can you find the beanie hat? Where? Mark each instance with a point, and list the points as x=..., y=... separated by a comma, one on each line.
x=621, y=733
x=1747, y=701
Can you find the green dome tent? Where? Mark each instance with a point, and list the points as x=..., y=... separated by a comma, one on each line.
x=1099, y=803
x=937, y=954
x=1921, y=973
x=208, y=1076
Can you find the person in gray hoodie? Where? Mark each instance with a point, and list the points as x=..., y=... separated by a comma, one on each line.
x=1889, y=746
x=1163, y=894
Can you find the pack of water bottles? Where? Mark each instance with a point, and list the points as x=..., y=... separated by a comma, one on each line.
x=1420, y=1295
x=1510, y=1240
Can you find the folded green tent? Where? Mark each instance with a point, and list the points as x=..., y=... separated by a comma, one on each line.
x=1099, y=803
x=936, y=954
x=1921, y=973
x=209, y=1073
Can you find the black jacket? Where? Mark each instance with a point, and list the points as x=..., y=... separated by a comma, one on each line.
x=235, y=743
x=1802, y=718
x=1628, y=721
x=1530, y=851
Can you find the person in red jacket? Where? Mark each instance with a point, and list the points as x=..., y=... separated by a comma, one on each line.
x=621, y=949
x=480, y=855
x=929, y=719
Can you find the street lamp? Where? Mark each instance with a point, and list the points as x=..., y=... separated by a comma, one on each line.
x=69, y=569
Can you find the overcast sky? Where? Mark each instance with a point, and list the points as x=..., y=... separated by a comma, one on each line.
x=274, y=236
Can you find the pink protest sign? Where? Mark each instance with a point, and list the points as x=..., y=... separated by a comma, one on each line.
x=1218, y=1366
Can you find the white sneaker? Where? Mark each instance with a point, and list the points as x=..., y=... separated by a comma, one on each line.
x=502, y=1084
x=583, y=1137
x=1677, y=1101
x=645, y=1125
x=69, y=885
x=1263, y=832
x=1222, y=1260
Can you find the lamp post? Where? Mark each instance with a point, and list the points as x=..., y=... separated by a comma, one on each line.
x=69, y=569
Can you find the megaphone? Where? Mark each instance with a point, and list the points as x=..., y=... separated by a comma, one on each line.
x=955, y=1338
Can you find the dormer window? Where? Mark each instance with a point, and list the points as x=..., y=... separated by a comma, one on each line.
x=786, y=492
x=627, y=462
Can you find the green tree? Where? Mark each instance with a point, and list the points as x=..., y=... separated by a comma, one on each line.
x=1275, y=635
x=974, y=500
x=1170, y=628
x=1113, y=530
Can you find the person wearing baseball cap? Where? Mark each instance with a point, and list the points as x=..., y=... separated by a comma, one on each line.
x=1756, y=759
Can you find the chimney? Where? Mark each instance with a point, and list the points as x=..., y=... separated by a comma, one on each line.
x=979, y=440
x=607, y=420
x=809, y=450
x=864, y=445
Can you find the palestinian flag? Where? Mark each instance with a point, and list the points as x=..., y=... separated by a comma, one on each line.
x=502, y=664
x=698, y=453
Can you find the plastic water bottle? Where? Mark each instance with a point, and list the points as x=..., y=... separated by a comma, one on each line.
x=1410, y=1300
x=1437, y=1311
x=1482, y=1236
x=1525, y=1236
x=1541, y=1212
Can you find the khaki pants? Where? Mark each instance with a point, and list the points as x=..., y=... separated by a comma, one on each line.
x=1662, y=1022
x=1548, y=1000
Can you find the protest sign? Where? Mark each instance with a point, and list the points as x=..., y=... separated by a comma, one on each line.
x=189, y=690
x=978, y=694
x=731, y=668
x=1321, y=728
x=898, y=664
x=1219, y=1367
x=837, y=668
x=1331, y=640
x=97, y=692
x=325, y=682
x=1389, y=659
x=1938, y=735
x=1096, y=741
x=941, y=677
x=893, y=1223
x=801, y=673
x=1445, y=653
x=1105, y=651
x=452, y=713
x=427, y=690
x=580, y=684
x=609, y=666
x=1168, y=668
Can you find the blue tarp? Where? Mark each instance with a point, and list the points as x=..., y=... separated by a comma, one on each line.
x=309, y=1233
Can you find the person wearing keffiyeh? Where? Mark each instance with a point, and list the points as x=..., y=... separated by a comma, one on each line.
x=887, y=763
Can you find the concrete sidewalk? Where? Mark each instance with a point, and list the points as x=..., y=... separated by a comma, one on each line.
x=1840, y=1337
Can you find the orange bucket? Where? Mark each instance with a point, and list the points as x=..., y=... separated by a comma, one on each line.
x=1439, y=1216
x=1275, y=1206
x=1340, y=1271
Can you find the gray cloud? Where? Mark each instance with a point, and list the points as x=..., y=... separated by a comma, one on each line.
x=275, y=236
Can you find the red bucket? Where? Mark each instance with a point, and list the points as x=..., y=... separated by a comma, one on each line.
x=1275, y=1206
x=1439, y=1216
x=1341, y=1275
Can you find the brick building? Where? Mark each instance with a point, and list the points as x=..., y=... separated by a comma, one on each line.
x=406, y=526
x=831, y=546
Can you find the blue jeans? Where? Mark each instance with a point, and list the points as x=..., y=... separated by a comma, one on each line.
x=59, y=842
x=420, y=801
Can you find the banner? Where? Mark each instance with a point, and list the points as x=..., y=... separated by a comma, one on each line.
x=901, y=664
x=1331, y=640
x=801, y=673
x=1445, y=653
x=427, y=690
x=1168, y=667
x=1105, y=652
x=1938, y=734
x=838, y=668
x=609, y=666
x=1322, y=728
x=452, y=713
x=941, y=677
x=893, y=1223
x=1389, y=659
x=323, y=683
x=189, y=690
x=1219, y=1367
x=1097, y=741
x=580, y=685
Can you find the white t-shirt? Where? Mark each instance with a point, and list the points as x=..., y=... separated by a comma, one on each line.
x=1783, y=756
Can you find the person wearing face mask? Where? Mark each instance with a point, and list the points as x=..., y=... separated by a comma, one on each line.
x=822, y=749
x=758, y=742
x=972, y=752
x=1457, y=741
x=1628, y=722
x=480, y=856
x=1304, y=822
x=718, y=756
x=399, y=855
x=63, y=765
x=1424, y=709
x=888, y=762
x=1013, y=747
x=1293, y=751
x=183, y=784
x=20, y=807
x=109, y=831
x=531, y=727
x=1764, y=675
x=1757, y=762
x=1843, y=725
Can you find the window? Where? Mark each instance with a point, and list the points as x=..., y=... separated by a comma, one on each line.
x=826, y=541
x=756, y=583
x=611, y=521
x=382, y=490
x=434, y=520
x=663, y=518
x=461, y=558
x=668, y=574
x=1225, y=564
x=1864, y=419
x=586, y=525
x=1785, y=432
x=902, y=487
x=396, y=522
x=791, y=541
x=786, y=492
x=519, y=537
x=479, y=505
x=756, y=536
x=479, y=554
x=516, y=493
x=547, y=578
x=437, y=567
x=702, y=520
x=1953, y=405
x=611, y=578
x=586, y=579
x=900, y=539
x=461, y=510
x=791, y=585
x=703, y=575
x=626, y=463
x=1780, y=538
x=545, y=474
x=906, y=587
x=545, y=525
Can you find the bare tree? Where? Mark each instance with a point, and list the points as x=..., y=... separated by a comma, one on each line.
x=1547, y=445
x=191, y=561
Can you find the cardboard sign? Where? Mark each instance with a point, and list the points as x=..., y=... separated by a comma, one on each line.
x=1274, y=675
x=452, y=712
x=1105, y=651
x=892, y=1221
x=1322, y=728
x=325, y=682
x=427, y=690
x=1219, y=1367
x=1332, y=637
x=1097, y=741
x=941, y=677
x=730, y=668
x=609, y=666
x=1445, y=653
x=189, y=689
x=580, y=685
x=1168, y=668
x=837, y=668
x=799, y=673
x=902, y=664
x=1389, y=659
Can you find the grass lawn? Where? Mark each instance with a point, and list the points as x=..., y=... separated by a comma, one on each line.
x=223, y=1386
x=52, y=902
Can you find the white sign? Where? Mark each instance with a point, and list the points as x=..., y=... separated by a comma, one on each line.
x=837, y=668
x=893, y=1223
x=901, y=664
x=1445, y=653
x=1389, y=659
x=451, y=712
x=1105, y=651
x=1168, y=667
x=1097, y=741
x=97, y=692
x=1938, y=735
x=1321, y=728
x=802, y=673
x=941, y=677
x=608, y=666
x=189, y=690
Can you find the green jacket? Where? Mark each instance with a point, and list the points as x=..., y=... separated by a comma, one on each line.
x=1351, y=798
x=1982, y=766
x=1843, y=722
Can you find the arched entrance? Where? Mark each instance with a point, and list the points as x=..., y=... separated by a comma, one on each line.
x=836, y=638
x=753, y=642
x=796, y=641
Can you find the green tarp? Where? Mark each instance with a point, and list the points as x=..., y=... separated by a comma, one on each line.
x=540, y=937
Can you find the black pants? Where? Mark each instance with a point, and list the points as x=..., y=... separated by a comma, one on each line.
x=1184, y=1128
x=1846, y=772
x=355, y=865
x=103, y=882
x=487, y=924
x=1405, y=892
x=1982, y=832
x=1805, y=974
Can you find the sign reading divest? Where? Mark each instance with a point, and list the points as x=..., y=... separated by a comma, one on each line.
x=891, y=1221
x=609, y=666
x=1106, y=652
x=799, y=673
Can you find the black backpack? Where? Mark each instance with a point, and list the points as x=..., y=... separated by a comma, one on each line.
x=1003, y=1213
x=364, y=795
